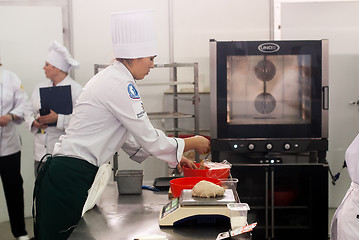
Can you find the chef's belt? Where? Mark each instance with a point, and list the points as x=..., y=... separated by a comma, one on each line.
x=59, y=195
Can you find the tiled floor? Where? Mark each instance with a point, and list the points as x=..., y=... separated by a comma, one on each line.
x=5, y=233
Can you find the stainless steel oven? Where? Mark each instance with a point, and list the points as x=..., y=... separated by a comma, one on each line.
x=269, y=98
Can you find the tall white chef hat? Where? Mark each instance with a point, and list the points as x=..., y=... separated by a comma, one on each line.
x=60, y=57
x=133, y=34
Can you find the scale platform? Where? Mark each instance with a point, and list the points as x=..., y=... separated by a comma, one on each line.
x=187, y=207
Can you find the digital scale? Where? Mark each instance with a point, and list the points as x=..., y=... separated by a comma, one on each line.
x=186, y=207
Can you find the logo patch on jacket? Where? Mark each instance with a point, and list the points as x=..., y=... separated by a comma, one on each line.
x=132, y=91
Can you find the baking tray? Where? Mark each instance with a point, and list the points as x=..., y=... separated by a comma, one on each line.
x=163, y=183
x=187, y=199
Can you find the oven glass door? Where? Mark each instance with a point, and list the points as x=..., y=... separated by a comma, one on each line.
x=269, y=94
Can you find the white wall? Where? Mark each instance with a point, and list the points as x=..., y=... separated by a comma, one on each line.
x=325, y=20
x=26, y=32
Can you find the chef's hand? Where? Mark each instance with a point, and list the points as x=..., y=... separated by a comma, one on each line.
x=39, y=125
x=185, y=162
x=199, y=143
x=4, y=120
x=49, y=118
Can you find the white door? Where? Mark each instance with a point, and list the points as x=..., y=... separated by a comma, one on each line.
x=25, y=35
x=337, y=21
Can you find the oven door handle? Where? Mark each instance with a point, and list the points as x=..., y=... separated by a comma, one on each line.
x=325, y=98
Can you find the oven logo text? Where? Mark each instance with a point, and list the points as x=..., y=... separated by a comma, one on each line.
x=268, y=47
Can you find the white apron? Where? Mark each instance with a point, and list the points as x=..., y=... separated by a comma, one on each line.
x=345, y=222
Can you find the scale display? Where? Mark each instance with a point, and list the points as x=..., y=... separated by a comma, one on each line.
x=170, y=207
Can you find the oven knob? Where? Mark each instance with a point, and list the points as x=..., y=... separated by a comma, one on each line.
x=251, y=146
x=287, y=146
x=269, y=146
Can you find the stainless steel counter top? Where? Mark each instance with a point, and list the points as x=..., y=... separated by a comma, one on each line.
x=129, y=216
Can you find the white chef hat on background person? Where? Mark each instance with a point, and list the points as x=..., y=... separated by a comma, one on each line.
x=60, y=57
x=133, y=34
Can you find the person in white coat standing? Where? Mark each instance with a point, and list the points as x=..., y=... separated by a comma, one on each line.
x=109, y=115
x=13, y=103
x=57, y=67
x=345, y=222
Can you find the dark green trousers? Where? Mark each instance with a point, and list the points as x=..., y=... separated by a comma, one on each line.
x=59, y=195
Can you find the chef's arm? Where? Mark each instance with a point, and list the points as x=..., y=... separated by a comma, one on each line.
x=5, y=119
x=63, y=121
x=32, y=111
x=13, y=116
x=131, y=115
x=21, y=103
x=138, y=154
x=49, y=118
x=32, y=124
x=199, y=143
x=134, y=150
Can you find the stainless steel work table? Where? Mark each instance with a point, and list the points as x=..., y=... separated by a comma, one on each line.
x=129, y=216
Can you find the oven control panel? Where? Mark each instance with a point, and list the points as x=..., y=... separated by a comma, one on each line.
x=266, y=146
x=269, y=145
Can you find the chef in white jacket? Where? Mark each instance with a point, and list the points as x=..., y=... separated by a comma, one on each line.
x=57, y=67
x=345, y=222
x=13, y=103
x=109, y=115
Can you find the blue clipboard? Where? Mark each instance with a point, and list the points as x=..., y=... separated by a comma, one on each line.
x=58, y=99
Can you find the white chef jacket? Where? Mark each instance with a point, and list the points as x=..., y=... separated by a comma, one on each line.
x=109, y=115
x=345, y=222
x=13, y=99
x=44, y=142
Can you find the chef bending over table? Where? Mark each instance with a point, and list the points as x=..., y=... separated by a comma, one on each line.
x=109, y=114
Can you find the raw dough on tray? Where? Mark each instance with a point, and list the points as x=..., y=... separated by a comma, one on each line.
x=207, y=189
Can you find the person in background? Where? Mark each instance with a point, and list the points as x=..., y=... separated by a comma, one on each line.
x=345, y=222
x=57, y=67
x=109, y=114
x=13, y=103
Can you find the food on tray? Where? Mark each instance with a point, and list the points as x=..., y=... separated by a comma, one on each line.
x=207, y=189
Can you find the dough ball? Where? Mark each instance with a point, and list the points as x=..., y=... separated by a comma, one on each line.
x=207, y=189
